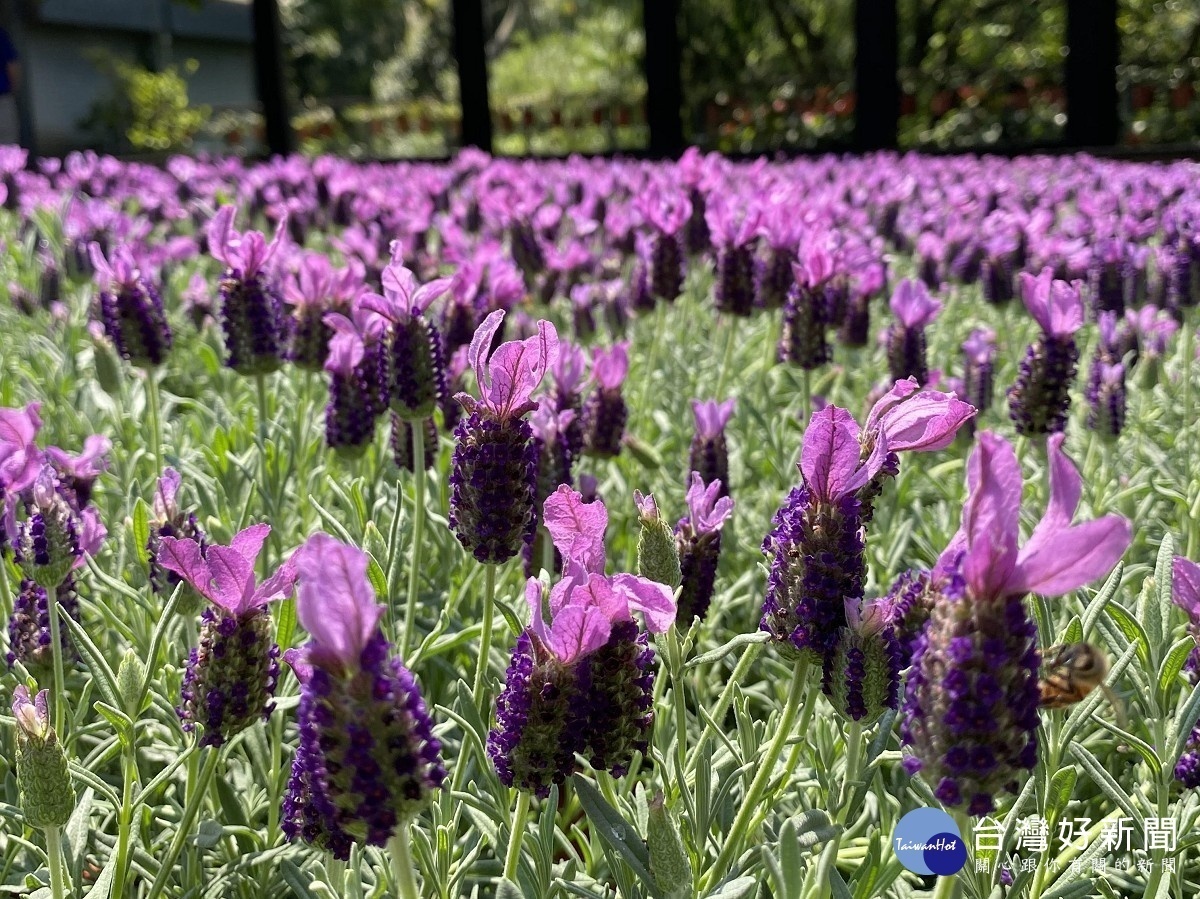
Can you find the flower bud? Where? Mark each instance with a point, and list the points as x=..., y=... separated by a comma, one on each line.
x=130, y=675
x=47, y=796
x=669, y=862
x=657, y=551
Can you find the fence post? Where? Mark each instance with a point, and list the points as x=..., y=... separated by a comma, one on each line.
x=1091, y=73
x=664, y=84
x=471, y=56
x=268, y=76
x=876, y=79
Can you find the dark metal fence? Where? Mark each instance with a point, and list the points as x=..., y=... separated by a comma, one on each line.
x=1089, y=91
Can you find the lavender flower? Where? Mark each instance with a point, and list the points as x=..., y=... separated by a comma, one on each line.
x=970, y=714
x=1106, y=401
x=807, y=312
x=233, y=669
x=493, y=479
x=698, y=539
x=170, y=521
x=979, y=350
x=131, y=308
x=1039, y=401
x=357, y=383
x=735, y=236
x=668, y=213
x=315, y=290
x=817, y=543
x=604, y=412
x=1185, y=592
x=582, y=683
x=252, y=313
x=367, y=760
x=569, y=375
x=862, y=679
x=29, y=640
x=708, y=454
x=52, y=541
x=20, y=459
x=914, y=309
x=417, y=370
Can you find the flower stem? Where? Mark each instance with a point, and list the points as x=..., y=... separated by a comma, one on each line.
x=154, y=409
x=125, y=817
x=675, y=664
x=749, y=654
x=260, y=383
x=513, y=857
x=766, y=766
x=55, y=858
x=403, y=871
x=410, y=609
x=853, y=744
x=485, y=640
x=56, y=654
x=948, y=887
x=730, y=334
x=183, y=831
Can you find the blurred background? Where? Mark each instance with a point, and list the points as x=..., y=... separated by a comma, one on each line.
x=384, y=78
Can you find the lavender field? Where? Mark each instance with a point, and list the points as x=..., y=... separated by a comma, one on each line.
x=599, y=528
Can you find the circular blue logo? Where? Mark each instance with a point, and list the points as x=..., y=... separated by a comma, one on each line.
x=927, y=841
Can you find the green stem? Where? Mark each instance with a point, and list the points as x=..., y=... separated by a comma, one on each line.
x=55, y=857
x=853, y=745
x=675, y=661
x=6, y=597
x=948, y=887
x=183, y=831
x=154, y=407
x=730, y=333
x=125, y=818
x=56, y=653
x=276, y=768
x=766, y=765
x=410, y=612
x=805, y=397
x=485, y=640
x=749, y=654
x=260, y=383
x=403, y=872
x=513, y=857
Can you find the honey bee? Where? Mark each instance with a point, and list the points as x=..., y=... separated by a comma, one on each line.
x=1071, y=671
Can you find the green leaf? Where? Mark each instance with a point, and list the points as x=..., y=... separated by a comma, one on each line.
x=296, y=880
x=1105, y=781
x=76, y=833
x=1062, y=786
x=1164, y=578
x=509, y=616
x=209, y=834
x=102, y=888
x=1131, y=628
x=1151, y=619
x=102, y=673
x=121, y=723
x=615, y=831
x=1078, y=889
x=1074, y=631
x=1101, y=600
x=735, y=889
x=714, y=655
x=285, y=624
x=156, y=640
x=141, y=531
x=1180, y=730
x=378, y=579
x=1172, y=665
x=508, y=890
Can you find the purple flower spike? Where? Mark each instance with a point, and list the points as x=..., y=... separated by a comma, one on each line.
x=974, y=679
x=1106, y=399
x=1185, y=587
x=604, y=413
x=367, y=760
x=914, y=309
x=252, y=313
x=583, y=681
x=493, y=478
x=131, y=308
x=234, y=668
x=978, y=377
x=698, y=540
x=1039, y=401
x=709, y=454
